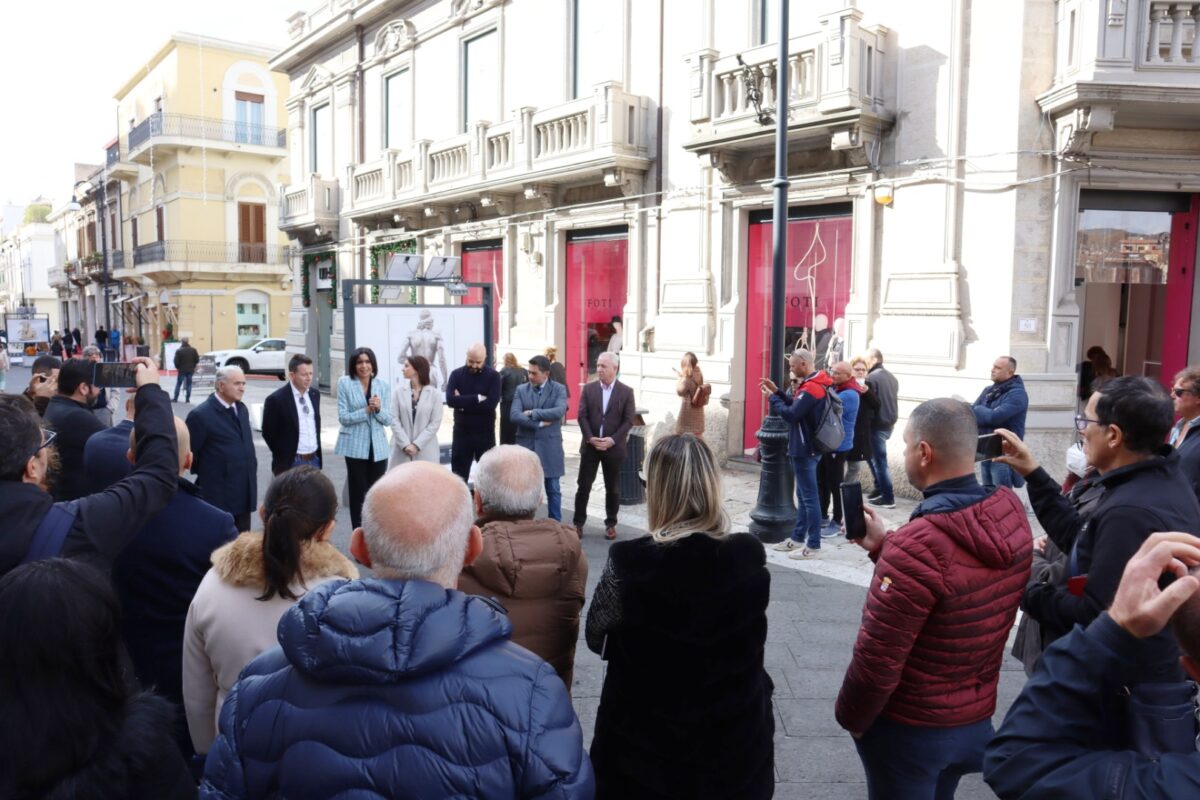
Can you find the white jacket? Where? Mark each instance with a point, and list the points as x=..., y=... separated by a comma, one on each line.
x=417, y=426
x=227, y=626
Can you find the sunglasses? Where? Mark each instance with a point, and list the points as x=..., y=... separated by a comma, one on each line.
x=1178, y=392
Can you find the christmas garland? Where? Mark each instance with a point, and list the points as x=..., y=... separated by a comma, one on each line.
x=405, y=246
x=309, y=260
x=304, y=270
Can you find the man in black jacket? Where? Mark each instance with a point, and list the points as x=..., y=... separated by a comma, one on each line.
x=69, y=413
x=224, y=463
x=1185, y=436
x=99, y=525
x=473, y=391
x=291, y=421
x=186, y=359
x=1123, y=428
x=887, y=389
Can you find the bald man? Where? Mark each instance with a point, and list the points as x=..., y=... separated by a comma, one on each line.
x=403, y=671
x=473, y=391
x=159, y=572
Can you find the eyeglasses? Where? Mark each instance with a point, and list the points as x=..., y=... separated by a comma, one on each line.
x=1179, y=392
x=1081, y=422
x=47, y=438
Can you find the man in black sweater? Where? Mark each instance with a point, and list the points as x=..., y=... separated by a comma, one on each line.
x=69, y=413
x=95, y=528
x=473, y=391
x=1123, y=428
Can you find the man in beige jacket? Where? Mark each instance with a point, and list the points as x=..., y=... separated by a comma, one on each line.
x=536, y=568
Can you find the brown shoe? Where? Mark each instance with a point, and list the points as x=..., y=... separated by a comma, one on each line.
x=610, y=532
x=579, y=529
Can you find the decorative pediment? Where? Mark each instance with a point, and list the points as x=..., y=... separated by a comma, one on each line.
x=394, y=37
x=317, y=77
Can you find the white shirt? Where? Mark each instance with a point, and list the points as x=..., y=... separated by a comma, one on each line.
x=221, y=400
x=605, y=395
x=306, y=442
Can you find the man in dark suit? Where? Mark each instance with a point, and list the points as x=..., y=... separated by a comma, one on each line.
x=104, y=461
x=223, y=449
x=473, y=391
x=606, y=412
x=291, y=424
x=69, y=413
x=158, y=573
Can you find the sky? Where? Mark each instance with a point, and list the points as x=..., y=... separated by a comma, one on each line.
x=62, y=62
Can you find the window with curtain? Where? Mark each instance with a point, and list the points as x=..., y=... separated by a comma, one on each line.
x=480, y=89
x=397, y=103
x=248, y=117
x=321, y=141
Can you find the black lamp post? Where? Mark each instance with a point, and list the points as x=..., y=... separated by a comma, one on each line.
x=774, y=516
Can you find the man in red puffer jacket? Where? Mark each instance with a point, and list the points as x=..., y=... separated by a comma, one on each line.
x=920, y=691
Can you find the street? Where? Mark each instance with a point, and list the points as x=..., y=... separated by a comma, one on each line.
x=812, y=622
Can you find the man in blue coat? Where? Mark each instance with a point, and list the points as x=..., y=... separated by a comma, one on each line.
x=223, y=457
x=159, y=572
x=1002, y=405
x=400, y=687
x=538, y=409
x=1067, y=736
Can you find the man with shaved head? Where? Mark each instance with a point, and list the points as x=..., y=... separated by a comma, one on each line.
x=535, y=567
x=400, y=685
x=473, y=391
x=920, y=691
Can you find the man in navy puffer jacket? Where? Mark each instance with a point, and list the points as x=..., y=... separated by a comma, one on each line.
x=401, y=686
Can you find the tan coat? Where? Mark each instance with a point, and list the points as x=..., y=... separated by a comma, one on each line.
x=537, y=569
x=691, y=420
x=227, y=626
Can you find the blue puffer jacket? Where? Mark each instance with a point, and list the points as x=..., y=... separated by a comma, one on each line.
x=397, y=689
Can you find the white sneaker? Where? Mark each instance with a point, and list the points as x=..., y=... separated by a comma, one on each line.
x=804, y=553
x=787, y=545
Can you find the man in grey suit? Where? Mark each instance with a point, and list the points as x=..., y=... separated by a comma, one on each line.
x=606, y=413
x=538, y=408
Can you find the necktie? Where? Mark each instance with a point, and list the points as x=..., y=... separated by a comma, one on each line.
x=236, y=421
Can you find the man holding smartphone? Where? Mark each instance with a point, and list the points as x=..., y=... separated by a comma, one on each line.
x=920, y=691
x=1004, y=404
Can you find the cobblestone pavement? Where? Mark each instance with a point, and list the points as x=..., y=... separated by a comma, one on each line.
x=813, y=620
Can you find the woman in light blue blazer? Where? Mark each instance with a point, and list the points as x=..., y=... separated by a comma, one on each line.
x=364, y=411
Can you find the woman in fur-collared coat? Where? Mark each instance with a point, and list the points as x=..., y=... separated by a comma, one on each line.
x=253, y=580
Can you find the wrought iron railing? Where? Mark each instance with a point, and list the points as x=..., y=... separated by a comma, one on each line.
x=220, y=130
x=209, y=252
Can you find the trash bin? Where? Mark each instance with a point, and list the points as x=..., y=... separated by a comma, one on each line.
x=633, y=491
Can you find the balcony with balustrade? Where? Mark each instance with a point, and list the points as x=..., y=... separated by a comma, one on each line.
x=1135, y=63
x=836, y=91
x=604, y=136
x=117, y=163
x=179, y=131
x=175, y=260
x=57, y=278
x=310, y=210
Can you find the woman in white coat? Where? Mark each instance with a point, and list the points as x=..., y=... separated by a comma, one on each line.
x=254, y=579
x=416, y=416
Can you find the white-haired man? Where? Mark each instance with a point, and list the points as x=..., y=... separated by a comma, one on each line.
x=606, y=413
x=536, y=568
x=223, y=459
x=400, y=686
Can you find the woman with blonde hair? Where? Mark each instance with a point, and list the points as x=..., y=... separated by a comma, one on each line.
x=689, y=387
x=688, y=602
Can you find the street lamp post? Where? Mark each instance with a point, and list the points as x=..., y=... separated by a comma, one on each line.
x=775, y=514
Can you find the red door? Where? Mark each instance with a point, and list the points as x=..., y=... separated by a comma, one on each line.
x=818, y=283
x=483, y=262
x=597, y=272
x=1177, y=321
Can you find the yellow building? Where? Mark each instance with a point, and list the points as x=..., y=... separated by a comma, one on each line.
x=194, y=231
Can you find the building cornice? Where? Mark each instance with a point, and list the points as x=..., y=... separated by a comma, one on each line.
x=182, y=37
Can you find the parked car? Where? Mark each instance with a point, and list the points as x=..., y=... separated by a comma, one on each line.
x=268, y=357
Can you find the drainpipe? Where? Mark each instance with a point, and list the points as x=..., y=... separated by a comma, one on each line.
x=360, y=118
x=658, y=174
x=954, y=189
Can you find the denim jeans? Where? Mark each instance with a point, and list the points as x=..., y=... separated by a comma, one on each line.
x=879, y=463
x=808, y=513
x=553, y=499
x=180, y=380
x=904, y=762
x=992, y=475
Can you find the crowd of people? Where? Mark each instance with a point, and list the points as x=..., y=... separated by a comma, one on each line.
x=153, y=645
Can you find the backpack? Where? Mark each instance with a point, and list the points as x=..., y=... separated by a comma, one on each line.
x=701, y=395
x=829, y=432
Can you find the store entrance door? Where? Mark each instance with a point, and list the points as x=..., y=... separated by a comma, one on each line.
x=483, y=262
x=597, y=275
x=1134, y=264
x=817, y=289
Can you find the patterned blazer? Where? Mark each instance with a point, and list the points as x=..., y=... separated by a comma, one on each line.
x=362, y=434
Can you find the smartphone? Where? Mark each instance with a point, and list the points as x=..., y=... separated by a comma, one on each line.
x=989, y=446
x=855, y=519
x=114, y=374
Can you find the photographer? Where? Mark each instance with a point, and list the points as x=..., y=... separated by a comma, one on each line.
x=95, y=528
x=43, y=383
x=1123, y=428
